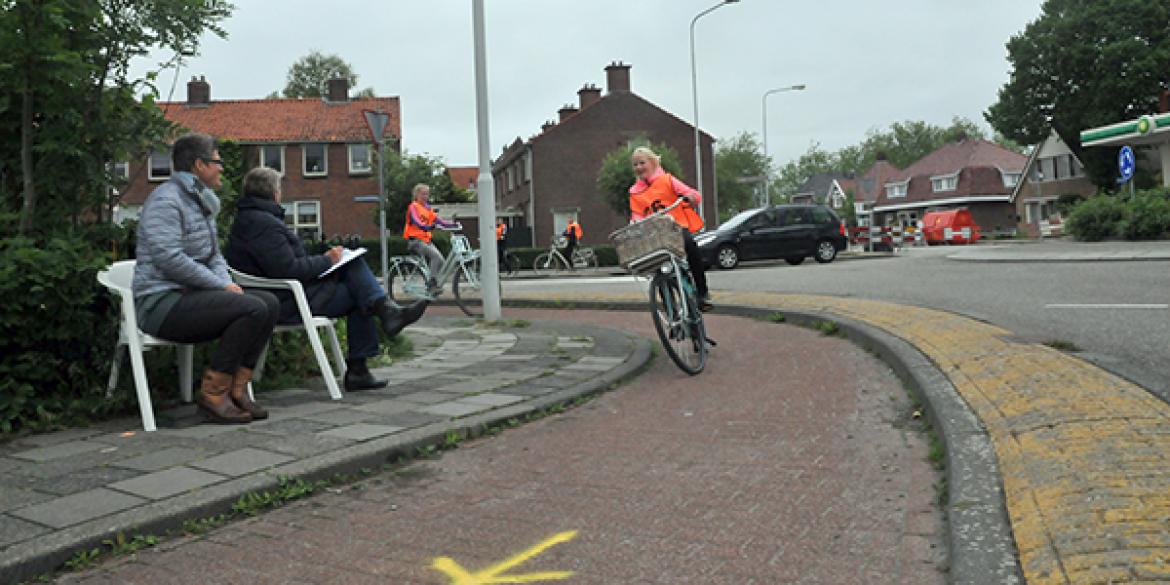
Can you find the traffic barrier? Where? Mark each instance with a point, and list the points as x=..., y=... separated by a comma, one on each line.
x=893, y=236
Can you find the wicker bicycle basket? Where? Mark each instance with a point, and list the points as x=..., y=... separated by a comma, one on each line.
x=643, y=246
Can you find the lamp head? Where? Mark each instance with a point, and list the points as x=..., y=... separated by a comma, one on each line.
x=798, y=87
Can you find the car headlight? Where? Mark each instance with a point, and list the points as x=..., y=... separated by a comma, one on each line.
x=705, y=239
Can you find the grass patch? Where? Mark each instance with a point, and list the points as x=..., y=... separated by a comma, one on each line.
x=776, y=317
x=397, y=348
x=1062, y=345
x=830, y=328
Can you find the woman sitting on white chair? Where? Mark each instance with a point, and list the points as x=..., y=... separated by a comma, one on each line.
x=262, y=245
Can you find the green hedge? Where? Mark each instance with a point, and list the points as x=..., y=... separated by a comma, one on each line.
x=1144, y=216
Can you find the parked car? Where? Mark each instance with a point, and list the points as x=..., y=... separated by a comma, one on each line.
x=792, y=232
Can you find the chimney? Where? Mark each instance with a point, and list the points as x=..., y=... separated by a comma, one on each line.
x=588, y=95
x=566, y=111
x=617, y=77
x=198, y=91
x=338, y=90
x=547, y=124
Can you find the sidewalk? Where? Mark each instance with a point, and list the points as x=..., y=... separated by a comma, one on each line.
x=67, y=491
x=1063, y=251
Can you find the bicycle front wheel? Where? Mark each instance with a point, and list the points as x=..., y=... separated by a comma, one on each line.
x=548, y=263
x=468, y=289
x=681, y=330
x=406, y=282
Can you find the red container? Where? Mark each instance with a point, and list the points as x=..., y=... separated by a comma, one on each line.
x=954, y=226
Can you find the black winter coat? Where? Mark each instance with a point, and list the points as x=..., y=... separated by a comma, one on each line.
x=262, y=245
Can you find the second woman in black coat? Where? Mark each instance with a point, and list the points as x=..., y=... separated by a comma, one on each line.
x=262, y=245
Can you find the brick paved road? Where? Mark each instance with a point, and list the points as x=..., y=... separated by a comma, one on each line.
x=787, y=461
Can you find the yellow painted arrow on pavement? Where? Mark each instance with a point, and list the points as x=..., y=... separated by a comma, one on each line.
x=492, y=574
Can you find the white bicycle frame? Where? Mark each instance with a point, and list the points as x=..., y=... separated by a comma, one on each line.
x=462, y=257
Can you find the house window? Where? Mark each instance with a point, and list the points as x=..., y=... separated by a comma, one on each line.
x=272, y=156
x=895, y=190
x=359, y=159
x=120, y=170
x=1011, y=179
x=304, y=217
x=1063, y=167
x=159, y=166
x=944, y=182
x=316, y=162
x=1048, y=169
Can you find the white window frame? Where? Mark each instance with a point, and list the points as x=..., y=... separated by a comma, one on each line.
x=125, y=174
x=150, y=176
x=324, y=159
x=292, y=216
x=1011, y=179
x=283, y=168
x=942, y=183
x=369, y=159
x=897, y=190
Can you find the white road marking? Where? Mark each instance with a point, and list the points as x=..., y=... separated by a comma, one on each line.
x=1105, y=306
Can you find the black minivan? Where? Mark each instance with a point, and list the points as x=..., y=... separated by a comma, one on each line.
x=791, y=231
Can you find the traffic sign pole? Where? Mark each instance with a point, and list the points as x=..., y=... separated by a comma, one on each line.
x=377, y=121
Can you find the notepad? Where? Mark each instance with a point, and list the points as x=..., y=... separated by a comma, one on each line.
x=346, y=256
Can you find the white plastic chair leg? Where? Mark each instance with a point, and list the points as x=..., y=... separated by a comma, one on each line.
x=138, y=366
x=115, y=370
x=323, y=363
x=186, y=359
x=338, y=356
x=259, y=369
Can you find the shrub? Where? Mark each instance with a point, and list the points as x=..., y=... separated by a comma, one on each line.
x=1147, y=216
x=1096, y=218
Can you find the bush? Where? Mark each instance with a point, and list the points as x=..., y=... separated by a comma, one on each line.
x=1096, y=218
x=1147, y=216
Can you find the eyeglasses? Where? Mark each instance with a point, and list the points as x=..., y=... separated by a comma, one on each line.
x=213, y=161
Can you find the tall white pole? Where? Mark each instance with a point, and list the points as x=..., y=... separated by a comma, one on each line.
x=485, y=186
x=695, y=100
x=381, y=146
x=767, y=161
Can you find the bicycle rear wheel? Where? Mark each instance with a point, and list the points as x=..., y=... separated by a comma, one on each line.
x=548, y=263
x=406, y=282
x=511, y=265
x=682, y=333
x=468, y=289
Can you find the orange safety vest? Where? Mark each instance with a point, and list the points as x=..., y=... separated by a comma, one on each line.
x=575, y=228
x=660, y=194
x=425, y=215
x=500, y=231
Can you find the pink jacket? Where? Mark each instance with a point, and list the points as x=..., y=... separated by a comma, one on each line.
x=680, y=188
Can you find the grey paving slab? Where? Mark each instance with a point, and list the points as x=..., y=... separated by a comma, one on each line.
x=12, y=498
x=290, y=426
x=389, y=406
x=160, y=460
x=531, y=390
x=13, y=530
x=426, y=397
x=58, y=451
x=241, y=462
x=516, y=357
x=473, y=386
x=609, y=361
x=307, y=408
x=589, y=366
x=166, y=483
x=201, y=431
x=361, y=431
x=56, y=438
x=342, y=416
x=454, y=409
x=83, y=479
x=408, y=420
x=303, y=446
x=70, y=510
x=492, y=399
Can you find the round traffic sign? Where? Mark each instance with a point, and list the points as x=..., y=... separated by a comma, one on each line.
x=1126, y=163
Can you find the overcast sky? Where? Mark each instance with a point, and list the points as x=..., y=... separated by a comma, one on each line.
x=866, y=64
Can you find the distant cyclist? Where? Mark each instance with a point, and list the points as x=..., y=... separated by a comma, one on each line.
x=501, y=242
x=573, y=234
x=656, y=189
x=421, y=220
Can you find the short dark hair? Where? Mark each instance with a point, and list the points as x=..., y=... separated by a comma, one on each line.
x=189, y=148
x=262, y=183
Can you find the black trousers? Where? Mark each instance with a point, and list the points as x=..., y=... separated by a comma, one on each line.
x=241, y=322
x=695, y=260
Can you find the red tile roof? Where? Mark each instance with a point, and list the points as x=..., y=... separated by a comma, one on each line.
x=978, y=163
x=463, y=176
x=873, y=182
x=285, y=120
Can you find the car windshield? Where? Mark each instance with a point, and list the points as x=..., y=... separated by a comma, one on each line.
x=738, y=219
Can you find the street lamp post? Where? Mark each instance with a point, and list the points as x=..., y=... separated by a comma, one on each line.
x=764, y=109
x=485, y=189
x=695, y=99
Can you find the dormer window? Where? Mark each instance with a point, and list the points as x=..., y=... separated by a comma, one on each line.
x=944, y=182
x=895, y=190
x=1011, y=179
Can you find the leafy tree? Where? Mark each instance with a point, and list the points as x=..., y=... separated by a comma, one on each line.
x=741, y=156
x=792, y=175
x=68, y=63
x=403, y=172
x=617, y=174
x=1084, y=64
x=850, y=209
x=308, y=77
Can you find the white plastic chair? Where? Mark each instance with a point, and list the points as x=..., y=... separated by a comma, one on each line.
x=309, y=323
x=117, y=279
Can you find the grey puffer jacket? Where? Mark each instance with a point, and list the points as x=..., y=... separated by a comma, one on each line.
x=177, y=248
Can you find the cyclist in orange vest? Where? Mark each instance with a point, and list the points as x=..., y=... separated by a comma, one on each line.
x=501, y=240
x=573, y=233
x=656, y=189
x=420, y=221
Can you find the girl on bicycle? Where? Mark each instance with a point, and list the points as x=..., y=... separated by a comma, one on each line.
x=656, y=189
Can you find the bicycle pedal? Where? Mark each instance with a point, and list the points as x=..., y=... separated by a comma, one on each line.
x=711, y=342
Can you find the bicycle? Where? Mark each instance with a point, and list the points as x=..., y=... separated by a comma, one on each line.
x=408, y=277
x=654, y=246
x=553, y=261
x=511, y=265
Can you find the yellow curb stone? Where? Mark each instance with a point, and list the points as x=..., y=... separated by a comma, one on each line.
x=1084, y=454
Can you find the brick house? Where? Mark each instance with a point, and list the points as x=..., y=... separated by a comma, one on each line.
x=974, y=174
x=320, y=145
x=1054, y=169
x=544, y=181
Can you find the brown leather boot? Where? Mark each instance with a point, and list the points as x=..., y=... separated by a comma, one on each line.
x=240, y=396
x=215, y=403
